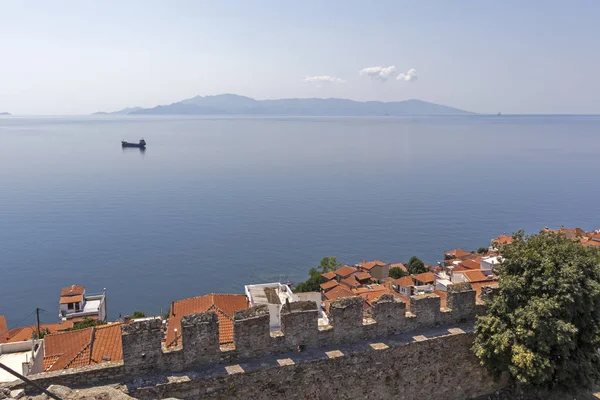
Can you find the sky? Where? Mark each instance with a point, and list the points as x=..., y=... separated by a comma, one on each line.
x=77, y=57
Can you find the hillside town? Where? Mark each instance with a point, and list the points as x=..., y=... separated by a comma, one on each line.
x=84, y=336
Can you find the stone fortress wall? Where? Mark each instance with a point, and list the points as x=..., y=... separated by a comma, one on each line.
x=362, y=351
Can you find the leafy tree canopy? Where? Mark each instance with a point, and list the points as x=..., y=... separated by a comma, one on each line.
x=543, y=326
x=138, y=314
x=397, y=272
x=85, y=323
x=328, y=264
x=482, y=250
x=43, y=332
x=415, y=266
x=312, y=284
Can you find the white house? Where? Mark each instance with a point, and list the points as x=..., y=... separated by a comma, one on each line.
x=490, y=263
x=275, y=295
x=26, y=358
x=75, y=303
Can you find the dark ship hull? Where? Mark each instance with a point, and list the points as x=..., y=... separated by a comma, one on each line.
x=139, y=145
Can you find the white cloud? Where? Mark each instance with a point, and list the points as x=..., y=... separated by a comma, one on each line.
x=409, y=76
x=323, y=79
x=380, y=73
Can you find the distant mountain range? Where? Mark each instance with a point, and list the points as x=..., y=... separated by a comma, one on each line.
x=5, y=113
x=231, y=104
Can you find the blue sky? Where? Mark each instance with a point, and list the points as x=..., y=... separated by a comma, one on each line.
x=77, y=57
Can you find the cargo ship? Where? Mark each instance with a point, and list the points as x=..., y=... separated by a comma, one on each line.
x=141, y=144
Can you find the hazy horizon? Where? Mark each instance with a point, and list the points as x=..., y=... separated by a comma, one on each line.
x=77, y=58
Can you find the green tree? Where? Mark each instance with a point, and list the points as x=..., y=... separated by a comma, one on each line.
x=482, y=250
x=415, y=266
x=328, y=264
x=312, y=284
x=138, y=314
x=397, y=272
x=543, y=326
x=43, y=332
x=85, y=323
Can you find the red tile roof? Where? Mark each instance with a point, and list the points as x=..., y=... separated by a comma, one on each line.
x=425, y=277
x=350, y=281
x=371, y=296
x=328, y=285
x=475, y=276
x=363, y=275
x=107, y=345
x=223, y=304
x=590, y=242
x=457, y=253
x=404, y=281
x=369, y=265
x=328, y=275
x=71, y=299
x=25, y=333
x=3, y=327
x=72, y=290
x=471, y=264
x=572, y=233
x=503, y=239
x=399, y=265
x=345, y=271
x=337, y=292
x=71, y=294
x=83, y=347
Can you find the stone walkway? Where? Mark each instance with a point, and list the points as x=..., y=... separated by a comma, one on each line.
x=310, y=354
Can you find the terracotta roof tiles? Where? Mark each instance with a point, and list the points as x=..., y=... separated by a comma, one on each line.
x=475, y=276
x=22, y=334
x=399, y=265
x=471, y=264
x=72, y=290
x=80, y=348
x=503, y=239
x=107, y=344
x=363, y=275
x=328, y=285
x=337, y=292
x=224, y=305
x=3, y=327
x=345, y=271
x=350, y=281
x=425, y=277
x=404, y=281
x=369, y=265
x=328, y=275
x=457, y=253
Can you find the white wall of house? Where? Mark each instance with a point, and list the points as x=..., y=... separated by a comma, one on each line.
x=457, y=277
x=490, y=263
x=25, y=357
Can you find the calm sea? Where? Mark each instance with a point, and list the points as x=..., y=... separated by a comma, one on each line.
x=216, y=203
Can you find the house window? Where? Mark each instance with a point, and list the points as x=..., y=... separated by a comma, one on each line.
x=70, y=306
x=77, y=306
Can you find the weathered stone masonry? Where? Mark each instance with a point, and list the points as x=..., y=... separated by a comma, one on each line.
x=339, y=360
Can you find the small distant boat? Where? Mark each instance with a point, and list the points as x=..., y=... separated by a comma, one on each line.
x=499, y=114
x=141, y=144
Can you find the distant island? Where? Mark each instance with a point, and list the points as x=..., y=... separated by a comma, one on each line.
x=128, y=110
x=231, y=104
x=5, y=113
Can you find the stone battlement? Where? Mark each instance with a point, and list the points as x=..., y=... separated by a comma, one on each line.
x=142, y=348
x=144, y=351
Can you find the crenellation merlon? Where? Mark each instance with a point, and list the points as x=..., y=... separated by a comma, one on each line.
x=199, y=348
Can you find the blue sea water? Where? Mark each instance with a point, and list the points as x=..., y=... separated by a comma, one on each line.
x=216, y=203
